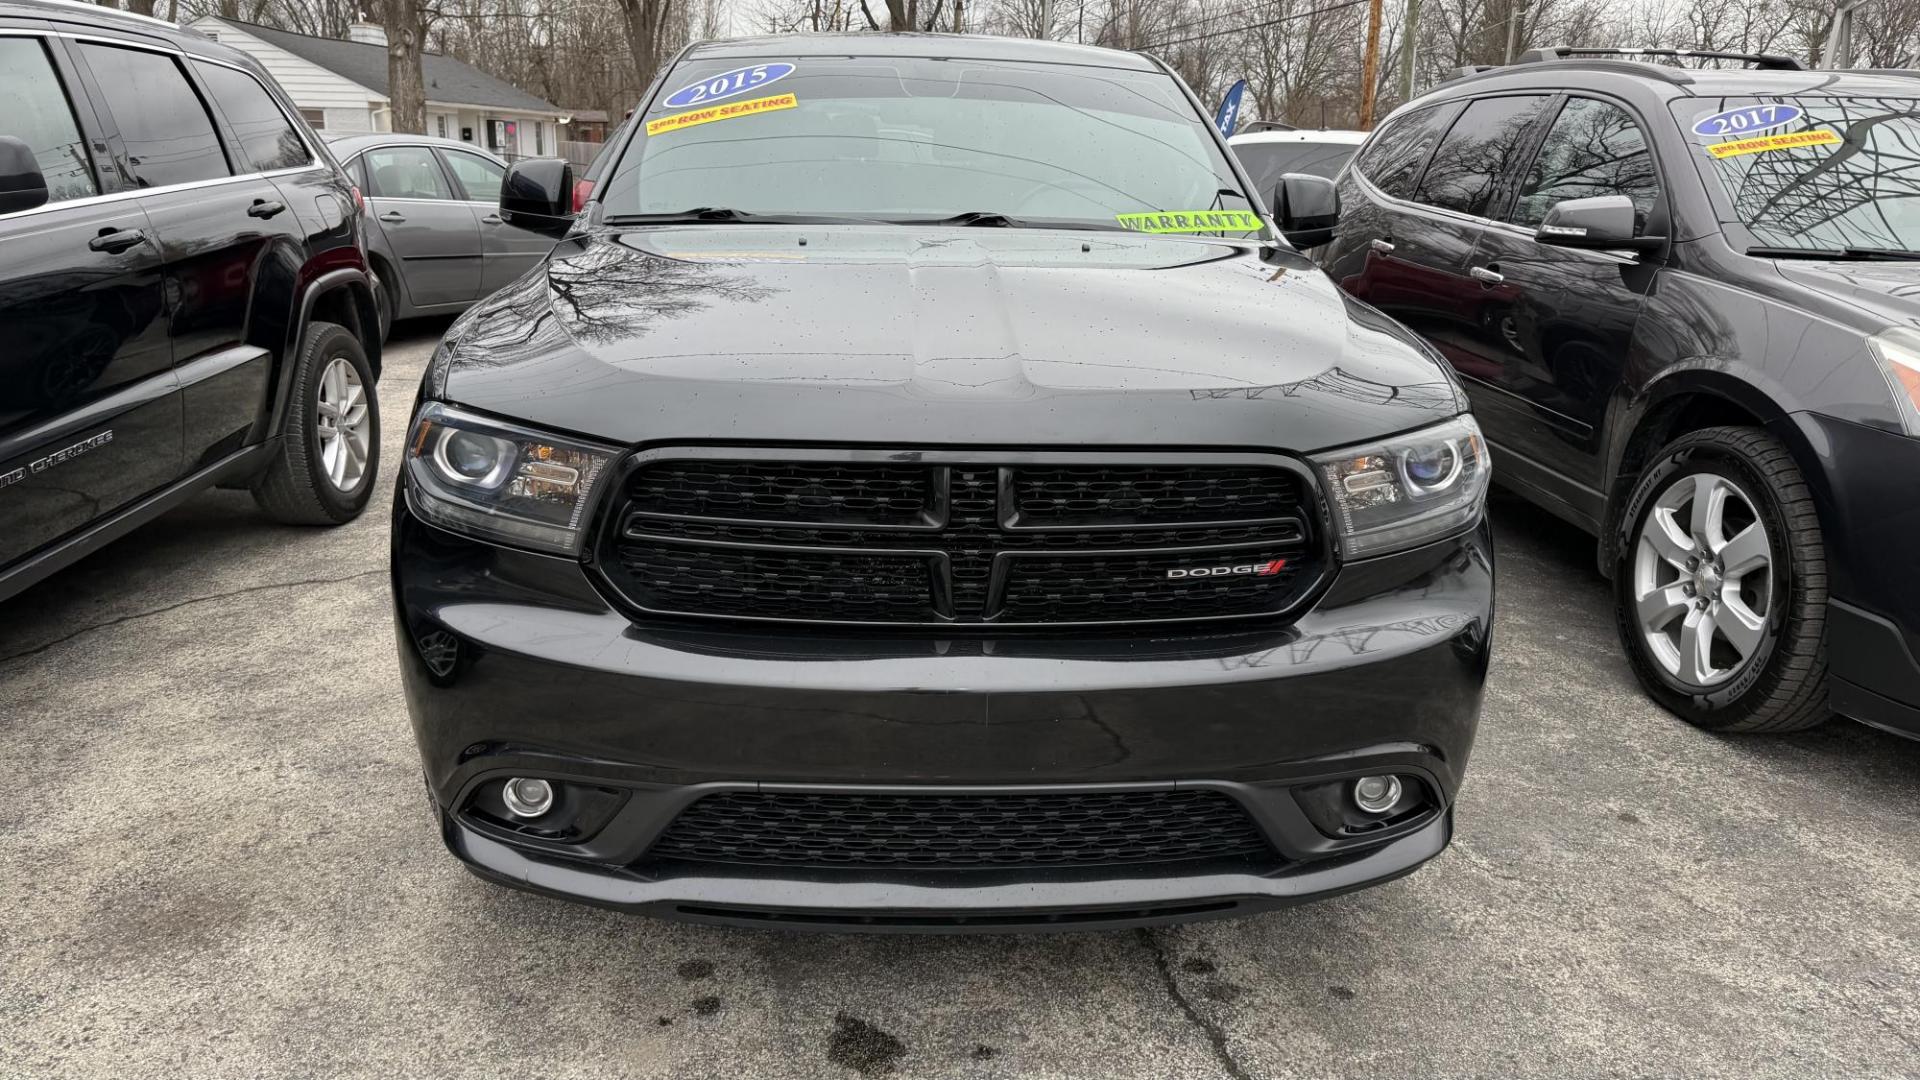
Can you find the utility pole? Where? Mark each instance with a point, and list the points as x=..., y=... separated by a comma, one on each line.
x=1046, y=19
x=959, y=16
x=1513, y=29
x=1370, y=69
x=1409, y=44
x=1838, y=51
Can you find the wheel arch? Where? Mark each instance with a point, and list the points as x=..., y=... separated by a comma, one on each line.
x=343, y=296
x=1701, y=394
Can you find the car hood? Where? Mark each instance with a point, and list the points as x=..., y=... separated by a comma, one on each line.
x=1889, y=291
x=879, y=334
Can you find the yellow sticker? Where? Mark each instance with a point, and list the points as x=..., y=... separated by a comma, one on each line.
x=1192, y=221
x=1762, y=143
x=728, y=111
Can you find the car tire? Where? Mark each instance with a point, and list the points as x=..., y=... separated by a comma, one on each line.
x=330, y=436
x=1725, y=626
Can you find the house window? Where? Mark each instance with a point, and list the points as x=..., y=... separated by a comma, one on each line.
x=441, y=122
x=539, y=137
x=316, y=117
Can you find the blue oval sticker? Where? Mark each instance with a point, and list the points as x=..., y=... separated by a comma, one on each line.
x=1746, y=120
x=727, y=84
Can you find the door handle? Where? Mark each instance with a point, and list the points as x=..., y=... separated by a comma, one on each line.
x=393, y=215
x=1384, y=247
x=115, y=241
x=1486, y=275
x=490, y=219
x=262, y=208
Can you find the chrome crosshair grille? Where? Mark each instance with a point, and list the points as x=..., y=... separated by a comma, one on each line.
x=946, y=539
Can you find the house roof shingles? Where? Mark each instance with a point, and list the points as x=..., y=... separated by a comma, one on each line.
x=449, y=81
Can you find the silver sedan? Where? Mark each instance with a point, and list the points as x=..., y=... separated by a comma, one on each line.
x=434, y=236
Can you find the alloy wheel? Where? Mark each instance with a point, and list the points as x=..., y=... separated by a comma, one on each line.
x=344, y=422
x=1703, y=580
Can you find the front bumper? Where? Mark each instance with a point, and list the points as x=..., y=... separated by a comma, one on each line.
x=1863, y=483
x=515, y=665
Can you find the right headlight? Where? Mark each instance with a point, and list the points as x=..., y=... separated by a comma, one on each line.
x=1408, y=490
x=498, y=481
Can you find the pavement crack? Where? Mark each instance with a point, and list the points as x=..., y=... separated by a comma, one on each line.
x=1216, y=1037
x=189, y=602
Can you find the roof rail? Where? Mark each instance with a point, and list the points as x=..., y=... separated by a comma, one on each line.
x=1761, y=61
x=1466, y=70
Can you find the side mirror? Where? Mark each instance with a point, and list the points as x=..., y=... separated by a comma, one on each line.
x=1308, y=208
x=537, y=194
x=1605, y=223
x=22, y=185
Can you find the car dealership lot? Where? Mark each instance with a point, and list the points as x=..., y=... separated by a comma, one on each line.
x=216, y=860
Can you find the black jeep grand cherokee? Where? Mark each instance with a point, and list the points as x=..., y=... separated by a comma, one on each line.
x=184, y=300
x=925, y=493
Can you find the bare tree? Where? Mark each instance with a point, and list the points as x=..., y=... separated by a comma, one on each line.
x=406, y=25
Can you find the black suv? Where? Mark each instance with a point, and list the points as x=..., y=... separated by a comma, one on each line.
x=925, y=492
x=184, y=300
x=1684, y=305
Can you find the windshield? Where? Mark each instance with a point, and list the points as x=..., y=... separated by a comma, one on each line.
x=1813, y=173
x=909, y=139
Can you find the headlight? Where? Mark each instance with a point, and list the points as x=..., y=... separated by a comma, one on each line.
x=1403, y=492
x=494, y=480
x=1898, y=351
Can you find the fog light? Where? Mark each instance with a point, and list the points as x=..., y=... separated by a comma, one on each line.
x=529, y=798
x=1376, y=794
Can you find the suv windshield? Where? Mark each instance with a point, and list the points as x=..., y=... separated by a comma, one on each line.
x=1814, y=173
x=902, y=139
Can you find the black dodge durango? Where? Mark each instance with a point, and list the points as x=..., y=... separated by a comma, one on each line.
x=926, y=490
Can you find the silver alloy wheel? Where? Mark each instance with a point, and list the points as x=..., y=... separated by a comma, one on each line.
x=1702, y=594
x=343, y=420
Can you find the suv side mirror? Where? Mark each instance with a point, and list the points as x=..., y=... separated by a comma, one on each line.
x=537, y=194
x=1605, y=222
x=22, y=185
x=1308, y=208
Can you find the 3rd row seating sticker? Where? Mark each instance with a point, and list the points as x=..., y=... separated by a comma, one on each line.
x=1192, y=221
x=1761, y=144
x=721, y=112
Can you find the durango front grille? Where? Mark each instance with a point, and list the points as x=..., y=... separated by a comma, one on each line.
x=950, y=539
x=805, y=829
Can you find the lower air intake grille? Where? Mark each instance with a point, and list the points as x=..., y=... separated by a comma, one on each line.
x=961, y=831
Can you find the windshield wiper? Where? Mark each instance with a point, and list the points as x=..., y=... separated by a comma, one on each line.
x=724, y=215
x=993, y=219
x=1862, y=253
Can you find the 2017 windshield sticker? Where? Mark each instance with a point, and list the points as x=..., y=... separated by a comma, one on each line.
x=727, y=84
x=1192, y=221
x=1746, y=120
x=1791, y=141
x=721, y=112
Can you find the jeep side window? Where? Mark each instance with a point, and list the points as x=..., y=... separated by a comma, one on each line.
x=1482, y=147
x=1593, y=148
x=267, y=140
x=167, y=133
x=37, y=112
x=1392, y=160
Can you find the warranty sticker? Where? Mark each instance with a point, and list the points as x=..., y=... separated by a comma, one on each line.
x=1192, y=221
x=1764, y=143
x=721, y=112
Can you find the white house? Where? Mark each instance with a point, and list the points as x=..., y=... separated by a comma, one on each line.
x=342, y=86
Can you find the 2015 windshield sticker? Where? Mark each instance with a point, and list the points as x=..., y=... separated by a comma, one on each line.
x=727, y=84
x=1790, y=141
x=1192, y=221
x=721, y=112
x=1746, y=120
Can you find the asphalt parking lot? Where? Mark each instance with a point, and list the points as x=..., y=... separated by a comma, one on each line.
x=215, y=861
